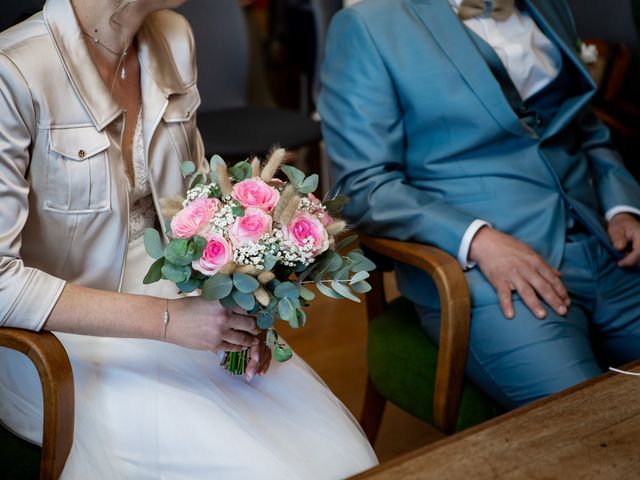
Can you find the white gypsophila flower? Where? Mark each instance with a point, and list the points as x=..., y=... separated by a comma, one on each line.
x=588, y=53
x=197, y=192
x=222, y=219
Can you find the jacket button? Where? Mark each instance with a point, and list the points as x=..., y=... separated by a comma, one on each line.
x=82, y=153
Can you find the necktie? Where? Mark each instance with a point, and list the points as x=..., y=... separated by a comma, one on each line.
x=500, y=10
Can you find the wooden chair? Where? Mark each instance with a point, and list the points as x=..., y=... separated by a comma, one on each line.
x=405, y=366
x=53, y=366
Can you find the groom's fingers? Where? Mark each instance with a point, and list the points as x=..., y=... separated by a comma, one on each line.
x=504, y=297
x=633, y=257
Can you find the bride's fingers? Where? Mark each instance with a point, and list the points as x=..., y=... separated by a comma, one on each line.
x=253, y=365
x=242, y=339
x=245, y=323
x=227, y=347
x=265, y=361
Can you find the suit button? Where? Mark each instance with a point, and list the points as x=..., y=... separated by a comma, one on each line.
x=82, y=153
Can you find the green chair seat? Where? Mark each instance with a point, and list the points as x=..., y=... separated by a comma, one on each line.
x=19, y=459
x=402, y=363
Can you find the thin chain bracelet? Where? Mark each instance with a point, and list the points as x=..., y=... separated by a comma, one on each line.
x=165, y=319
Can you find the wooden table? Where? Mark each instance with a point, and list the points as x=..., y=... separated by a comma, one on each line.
x=591, y=431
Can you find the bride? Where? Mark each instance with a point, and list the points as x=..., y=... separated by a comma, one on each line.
x=97, y=102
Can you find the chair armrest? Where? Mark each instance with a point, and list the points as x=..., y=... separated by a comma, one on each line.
x=51, y=360
x=455, y=323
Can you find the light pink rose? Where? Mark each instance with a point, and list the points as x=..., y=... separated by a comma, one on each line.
x=306, y=226
x=195, y=218
x=253, y=192
x=251, y=227
x=320, y=212
x=216, y=255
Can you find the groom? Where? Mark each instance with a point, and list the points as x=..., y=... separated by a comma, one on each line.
x=465, y=124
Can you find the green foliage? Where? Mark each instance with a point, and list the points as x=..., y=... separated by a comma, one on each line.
x=309, y=185
x=241, y=171
x=358, y=277
x=155, y=272
x=237, y=211
x=269, y=262
x=213, y=163
x=176, y=273
x=245, y=283
x=287, y=290
x=360, y=262
x=346, y=241
x=199, y=244
x=246, y=301
x=198, y=178
x=187, y=168
x=306, y=294
x=344, y=291
x=265, y=320
x=272, y=338
x=295, y=176
x=189, y=286
x=286, y=310
x=228, y=302
x=361, y=287
x=152, y=243
x=336, y=204
x=328, y=292
x=217, y=287
x=282, y=353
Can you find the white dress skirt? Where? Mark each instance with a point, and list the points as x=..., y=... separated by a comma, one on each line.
x=151, y=410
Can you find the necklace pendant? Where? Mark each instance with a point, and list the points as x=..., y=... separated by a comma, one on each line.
x=123, y=74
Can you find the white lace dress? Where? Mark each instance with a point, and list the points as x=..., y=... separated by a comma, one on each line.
x=151, y=410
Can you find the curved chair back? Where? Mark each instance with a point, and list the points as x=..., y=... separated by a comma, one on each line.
x=222, y=49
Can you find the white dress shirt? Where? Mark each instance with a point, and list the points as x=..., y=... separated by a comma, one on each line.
x=532, y=61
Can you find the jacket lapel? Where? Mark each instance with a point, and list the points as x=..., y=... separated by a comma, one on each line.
x=452, y=37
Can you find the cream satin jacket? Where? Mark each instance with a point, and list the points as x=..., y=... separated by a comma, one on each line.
x=63, y=187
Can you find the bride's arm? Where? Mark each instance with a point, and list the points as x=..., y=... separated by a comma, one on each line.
x=194, y=322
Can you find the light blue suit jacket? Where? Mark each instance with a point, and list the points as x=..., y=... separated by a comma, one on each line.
x=423, y=140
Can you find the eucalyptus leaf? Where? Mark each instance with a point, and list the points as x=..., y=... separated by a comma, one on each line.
x=178, y=252
x=189, y=286
x=245, y=283
x=272, y=338
x=198, y=178
x=187, y=168
x=299, y=319
x=361, y=287
x=360, y=262
x=336, y=204
x=358, y=277
x=237, y=211
x=228, y=302
x=346, y=241
x=286, y=310
x=269, y=262
x=287, y=290
x=310, y=184
x=246, y=301
x=333, y=261
x=282, y=353
x=214, y=162
x=295, y=176
x=217, y=287
x=265, y=320
x=343, y=290
x=152, y=243
x=155, y=272
x=176, y=273
x=241, y=171
x=199, y=244
x=328, y=292
x=307, y=294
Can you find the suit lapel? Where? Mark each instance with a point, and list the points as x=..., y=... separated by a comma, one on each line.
x=453, y=39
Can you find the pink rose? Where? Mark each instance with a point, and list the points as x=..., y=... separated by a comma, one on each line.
x=194, y=219
x=216, y=255
x=305, y=226
x=253, y=192
x=320, y=212
x=251, y=227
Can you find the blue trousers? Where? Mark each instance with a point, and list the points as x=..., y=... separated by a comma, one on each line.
x=520, y=360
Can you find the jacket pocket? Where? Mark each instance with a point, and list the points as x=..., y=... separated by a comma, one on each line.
x=77, y=171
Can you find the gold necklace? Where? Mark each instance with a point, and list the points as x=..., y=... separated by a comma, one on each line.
x=96, y=41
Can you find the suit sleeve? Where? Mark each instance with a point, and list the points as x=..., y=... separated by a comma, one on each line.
x=614, y=185
x=27, y=295
x=363, y=128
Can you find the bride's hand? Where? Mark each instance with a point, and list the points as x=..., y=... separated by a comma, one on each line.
x=260, y=358
x=202, y=324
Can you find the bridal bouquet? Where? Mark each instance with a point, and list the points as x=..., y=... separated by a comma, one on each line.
x=250, y=240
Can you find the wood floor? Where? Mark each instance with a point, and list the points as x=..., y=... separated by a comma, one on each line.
x=333, y=342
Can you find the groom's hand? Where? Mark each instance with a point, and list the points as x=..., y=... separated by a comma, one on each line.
x=509, y=265
x=624, y=232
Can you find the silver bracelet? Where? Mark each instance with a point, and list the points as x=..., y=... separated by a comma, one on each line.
x=165, y=319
